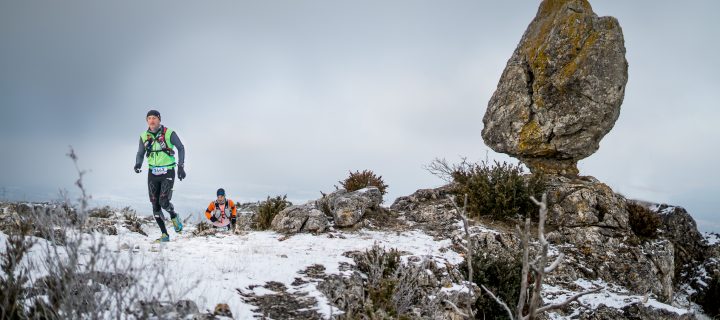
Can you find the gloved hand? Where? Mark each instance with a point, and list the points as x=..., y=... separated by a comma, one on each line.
x=232, y=222
x=181, y=172
x=137, y=168
x=213, y=219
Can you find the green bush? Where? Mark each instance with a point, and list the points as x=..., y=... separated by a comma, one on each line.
x=358, y=180
x=500, y=190
x=268, y=209
x=643, y=221
x=502, y=276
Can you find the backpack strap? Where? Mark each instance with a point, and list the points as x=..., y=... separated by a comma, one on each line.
x=161, y=140
x=148, y=144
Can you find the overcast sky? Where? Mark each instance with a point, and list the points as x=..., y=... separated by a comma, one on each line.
x=285, y=97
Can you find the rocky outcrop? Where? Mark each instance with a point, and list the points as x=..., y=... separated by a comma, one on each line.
x=427, y=206
x=162, y=309
x=247, y=216
x=632, y=312
x=642, y=268
x=348, y=208
x=418, y=289
x=585, y=202
x=680, y=228
x=561, y=90
x=300, y=218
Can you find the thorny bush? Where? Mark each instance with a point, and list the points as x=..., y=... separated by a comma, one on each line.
x=358, y=180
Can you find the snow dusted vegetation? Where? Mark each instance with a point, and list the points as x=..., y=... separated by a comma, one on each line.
x=212, y=269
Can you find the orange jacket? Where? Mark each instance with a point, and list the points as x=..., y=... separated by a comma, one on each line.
x=214, y=209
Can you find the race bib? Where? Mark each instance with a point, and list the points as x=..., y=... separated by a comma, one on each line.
x=158, y=171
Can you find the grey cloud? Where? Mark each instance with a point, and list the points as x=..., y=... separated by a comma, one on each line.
x=287, y=96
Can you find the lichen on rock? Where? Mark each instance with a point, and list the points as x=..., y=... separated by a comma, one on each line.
x=561, y=90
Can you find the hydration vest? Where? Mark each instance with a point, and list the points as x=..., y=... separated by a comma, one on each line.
x=217, y=213
x=159, y=148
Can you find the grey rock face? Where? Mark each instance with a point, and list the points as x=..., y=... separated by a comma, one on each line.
x=179, y=309
x=632, y=311
x=561, y=90
x=640, y=267
x=427, y=206
x=418, y=293
x=300, y=218
x=680, y=228
x=583, y=202
x=348, y=208
x=247, y=216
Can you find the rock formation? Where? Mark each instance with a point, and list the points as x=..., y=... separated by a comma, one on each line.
x=348, y=208
x=561, y=90
x=300, y=218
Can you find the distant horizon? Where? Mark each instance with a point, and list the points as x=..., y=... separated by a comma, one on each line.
x=194, y=204
x=286, y=97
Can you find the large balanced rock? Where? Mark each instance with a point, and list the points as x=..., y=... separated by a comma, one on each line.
x=300, y=218
x=348, y=208
x=561, y=90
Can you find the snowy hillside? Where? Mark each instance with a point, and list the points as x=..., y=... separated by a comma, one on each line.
x=238, y=269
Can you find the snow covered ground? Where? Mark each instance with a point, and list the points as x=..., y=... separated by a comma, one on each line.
x=209, y=269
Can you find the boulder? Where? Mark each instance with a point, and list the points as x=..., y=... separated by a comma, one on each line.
x=300, y=218
x=348, y=208
x=246, y=216
x=427, y=206
x=561, y=90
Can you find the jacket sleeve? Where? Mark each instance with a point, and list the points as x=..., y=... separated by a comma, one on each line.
x=209, y=210
x=234, y=208
x=175, y=140
x=140, y=153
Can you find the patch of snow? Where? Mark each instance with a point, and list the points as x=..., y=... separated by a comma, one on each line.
x=209, y=269
x=712, y=238
x=456, y=288
x=612, y=296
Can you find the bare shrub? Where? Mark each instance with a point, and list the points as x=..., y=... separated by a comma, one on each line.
x=131, y=221
x=102, y=212
x=12, y=286
x=76, y=278
x=529, y=305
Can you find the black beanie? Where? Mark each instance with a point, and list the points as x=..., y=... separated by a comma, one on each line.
x=221, y=192
x=153, y=113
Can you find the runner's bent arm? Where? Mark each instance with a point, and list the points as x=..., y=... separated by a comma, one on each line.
x=175, y=140
x=209, y=210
